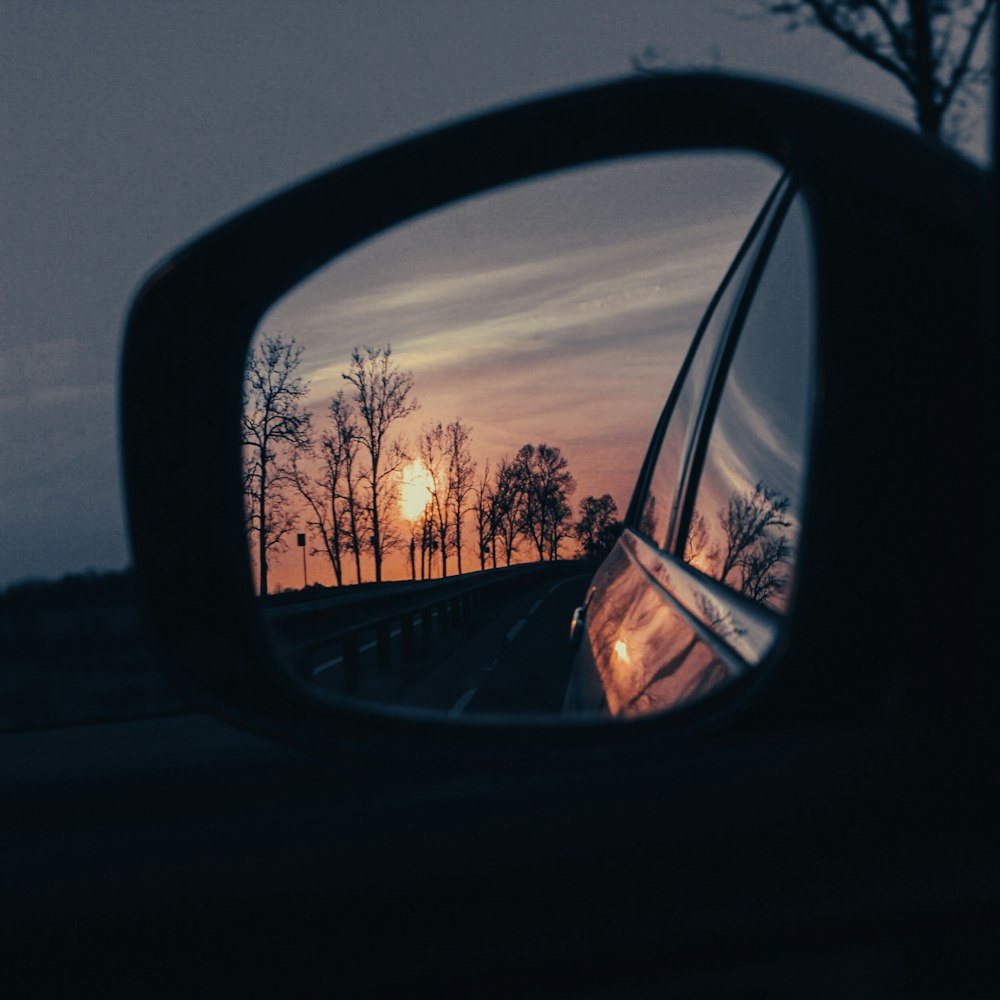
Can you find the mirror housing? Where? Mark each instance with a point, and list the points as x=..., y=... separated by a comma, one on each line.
x=899, y=242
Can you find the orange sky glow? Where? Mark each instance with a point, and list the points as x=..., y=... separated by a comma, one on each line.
x=557, y=311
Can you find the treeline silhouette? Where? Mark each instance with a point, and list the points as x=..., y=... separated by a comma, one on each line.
x=73, y=590
x=749, y=549
x=363, y=491
x=78, y=612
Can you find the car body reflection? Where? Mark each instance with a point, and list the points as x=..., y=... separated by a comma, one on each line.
x=687, y=601
x=660, y=635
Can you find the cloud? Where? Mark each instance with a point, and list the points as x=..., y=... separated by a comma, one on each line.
x=575, y=343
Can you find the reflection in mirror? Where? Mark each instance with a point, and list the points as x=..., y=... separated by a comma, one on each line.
x=442, y=430
x=745, y=524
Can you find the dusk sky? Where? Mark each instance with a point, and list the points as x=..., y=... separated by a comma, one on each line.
x=555, y=311
x=129, y=127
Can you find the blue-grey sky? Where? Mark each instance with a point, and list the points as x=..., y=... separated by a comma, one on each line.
x=128, y=126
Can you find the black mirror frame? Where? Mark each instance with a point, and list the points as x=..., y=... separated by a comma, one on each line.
x=190, y=325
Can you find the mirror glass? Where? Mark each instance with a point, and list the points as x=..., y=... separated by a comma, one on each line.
x=443, y=429
x=745, y=523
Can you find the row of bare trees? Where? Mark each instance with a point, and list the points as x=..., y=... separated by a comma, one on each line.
x=525, y=502
x=449, y=471
x=346, y=480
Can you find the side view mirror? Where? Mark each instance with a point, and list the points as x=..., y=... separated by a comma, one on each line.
x=793, y=621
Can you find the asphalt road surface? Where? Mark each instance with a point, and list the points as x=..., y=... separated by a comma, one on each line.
x=512, y=658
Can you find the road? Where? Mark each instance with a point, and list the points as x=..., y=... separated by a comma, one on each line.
x=511, y=658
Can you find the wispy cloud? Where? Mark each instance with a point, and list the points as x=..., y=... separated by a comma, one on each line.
x=580, y=302
x=577, y=346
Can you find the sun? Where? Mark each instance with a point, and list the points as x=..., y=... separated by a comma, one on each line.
x=414, y=490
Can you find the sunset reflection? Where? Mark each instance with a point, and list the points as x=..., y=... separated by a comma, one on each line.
x=416, y=484
x=555, y=312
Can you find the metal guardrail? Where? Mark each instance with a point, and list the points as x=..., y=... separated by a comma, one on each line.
x=343, y=618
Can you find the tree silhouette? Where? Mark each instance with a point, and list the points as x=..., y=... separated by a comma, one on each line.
x=930, y=46
x=696, y=544
x=598, y=529
x=332, y=497
x=753, y=544
x=506, y=504
x=321, y=515
x=432, y=445
x=274, y=427
x=486, y=522
x=461, y=469
x=746, y=521
x=341, y=446
x=647, y=523
x=348, y=481
x=381, y=392
x=428, y=542
x=760, y=579
x=545, y=483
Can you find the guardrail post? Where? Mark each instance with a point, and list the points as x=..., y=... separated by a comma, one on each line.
x=383, y=641
x=444, y=623
x=409, y=645
x=427, y=622
x=352, y=662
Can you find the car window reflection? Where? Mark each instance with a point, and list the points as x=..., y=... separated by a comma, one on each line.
x=659, y=509
x=744, y=527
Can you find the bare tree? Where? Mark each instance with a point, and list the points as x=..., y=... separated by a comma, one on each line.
x=432, y=446
x=748, y=523
x=461, y=469
x=545, y=483
x=760, y=568
x=274, y=426
x=598, y=528
x=930, y=46
x=559, y=524
x=382, y=394
x=428, y=542
x=485, y=511
x=340, y=452
x=507, y=502
x=321, y=515
x=696, y=544
x=648, y=521
x=332, y=496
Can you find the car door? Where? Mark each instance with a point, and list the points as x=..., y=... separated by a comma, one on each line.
x=695, y=590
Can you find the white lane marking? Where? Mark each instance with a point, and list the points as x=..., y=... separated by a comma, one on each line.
x=364, y=649
x=517, y=628
x=536, y=605
x=561, y=583
x=459, y=707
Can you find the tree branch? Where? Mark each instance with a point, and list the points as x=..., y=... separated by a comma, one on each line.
x=858, y=45
x=962, y=66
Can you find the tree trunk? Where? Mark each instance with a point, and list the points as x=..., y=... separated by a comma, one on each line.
x=929, y=114
x=261, y=526
x=338, y=569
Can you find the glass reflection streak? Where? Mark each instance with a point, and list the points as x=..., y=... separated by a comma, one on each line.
x=654, y=639
x=747, y=514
